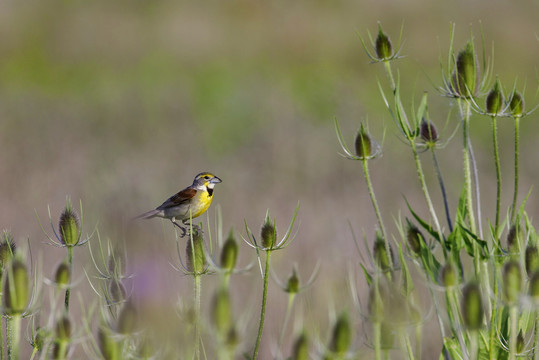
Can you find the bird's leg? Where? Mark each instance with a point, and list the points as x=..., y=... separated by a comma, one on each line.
x=187, y=224
x=184, y=232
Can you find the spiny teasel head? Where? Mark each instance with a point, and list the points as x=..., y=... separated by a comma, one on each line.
x=68, y=226
x=107, y=343
x=363, y=144
x=300, y=349
x=495, y=101
x=514, y=237
x=116, y=292
x=472, y=307
x=63, y=329
x=382, y=46
x=292, y=285
x=376, y=306
x=414, y=237
x=195, y=253
x=268, y=233
x=16, y=288
x=465, y=81
x=382, y=259
x=221, y=312
x=516, y=104
x=512, y=282
x=531, y=259
x=229, y=253
x=7, y=249
x=428, y=132
x=62, y=276
x=520, y=342
x=341, y=337
x=448, y=275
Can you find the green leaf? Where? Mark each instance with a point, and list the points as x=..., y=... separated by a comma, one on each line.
x=408, y=283
x=368, y=276
x=425, y=225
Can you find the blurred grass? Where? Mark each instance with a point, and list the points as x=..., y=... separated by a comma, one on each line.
x=121, y=104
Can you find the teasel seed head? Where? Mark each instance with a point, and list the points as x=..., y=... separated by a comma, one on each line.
x=472, y=307
x=414, y=238
x=195, y=253
x=16, y=288
x=516, y=104
x=514, y=238
x=383, y=47
x=428, y=132
x=466, y=77
x=520, y=342
x=268, y=233
x=494, y=102
x=381, y=257
x=108, y=346
x=68, y=226
x=448, y=275
x=531, y=259
x=116, y=291
x=363, y=144
x=62, y=277
x=221, y=313
x=229, y=253
x=292, y=285
x=63, y=329
x=533, y=289
x=512, y=282
x=300, y=349
x=341, y=336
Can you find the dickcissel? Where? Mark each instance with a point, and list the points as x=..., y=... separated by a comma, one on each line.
x=187, y=204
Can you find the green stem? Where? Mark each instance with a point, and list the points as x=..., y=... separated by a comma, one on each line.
x=465, y=114
x=70, y=265
x=442, y=188
x=197, y=282
x=377, y=330
x=515, y=192
x=493, y=323
x=13, y=325
x=498, y=176
x=387, y=65
x=407, y=344
x=513, y=330
x=1, y=334
x=263, y=308
x=291, y=298
x=474, y=346
x=376, y=209
x=536, y=336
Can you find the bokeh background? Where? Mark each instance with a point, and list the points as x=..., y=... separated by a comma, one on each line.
x=119, y=104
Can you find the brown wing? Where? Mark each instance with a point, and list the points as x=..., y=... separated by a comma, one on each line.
x=175, y=200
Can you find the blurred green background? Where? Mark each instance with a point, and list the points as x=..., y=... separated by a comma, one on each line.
x=119, y=104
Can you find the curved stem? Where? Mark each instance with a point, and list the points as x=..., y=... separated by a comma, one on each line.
x=376, y=208
x=515, y=191
x=263, y=307
x=442, y=188
x=498, y=176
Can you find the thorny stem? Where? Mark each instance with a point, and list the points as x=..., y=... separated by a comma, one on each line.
x=498, y=176
x=536, y=336
x=263, y=307
x=515, y=192
x=465, y=116
x=198, y=287
x=377, y=329
x=13, y=325
x=493, y=322
x=376, y=209
x=387, y=64
x=442, y=188
x=70, y=265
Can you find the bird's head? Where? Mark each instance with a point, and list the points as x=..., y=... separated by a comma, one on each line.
x=205, y=180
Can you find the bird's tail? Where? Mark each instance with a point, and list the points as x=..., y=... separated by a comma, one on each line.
x=148, y=215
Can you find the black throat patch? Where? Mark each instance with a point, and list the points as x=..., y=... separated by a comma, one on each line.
x=210, y=192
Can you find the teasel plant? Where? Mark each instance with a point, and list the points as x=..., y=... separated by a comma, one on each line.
x=267, y=243
x=68, y=236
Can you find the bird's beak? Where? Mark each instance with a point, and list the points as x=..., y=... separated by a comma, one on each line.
x=216, y=180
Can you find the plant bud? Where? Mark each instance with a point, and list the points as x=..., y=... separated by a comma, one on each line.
x=108, y=346
x=513, y=239
x=63, y=275
x=196, y=258
x=341, y=336
x=534, y=287
x=268, y=234
x=494, y=102
x=63, y=329
x=414, y=238
x=376, y=308
x=38, y=338
x=68, y=226
x=516, y=104
x=16, y=288
x=229, y=253
x=363, y=144
x=472, y=307
x=128, y=319
x=428, y=131
x=512, y=281
x=381, y=257
x=292, y=285
x=383, y=47
x=116, y=291
x=221, y=313
x=300, y=349
x=232, y=338
x=532, y=260
x=448, y=275
x=520, y=342
x=466, y=78
x=7, y=249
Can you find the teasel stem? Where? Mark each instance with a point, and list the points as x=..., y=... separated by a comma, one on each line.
x=376, y=208
x=2, y=357
x=536, y=336
x=407, y=344
x=454, y=318
x=291, y=298
x=390, y=75
x=515, y=193
x=474, y=345
x=70, y=264
x=465, y=116
x=263, y=307
x=442, y=188
x=493, y=321
x=197, y=289
x=377, y=330
x=513, y=331
x=498, y=175
x=13, y=326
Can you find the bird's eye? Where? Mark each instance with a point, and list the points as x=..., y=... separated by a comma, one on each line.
x=206, y=177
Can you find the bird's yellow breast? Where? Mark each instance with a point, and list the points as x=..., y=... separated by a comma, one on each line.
x=200, y=203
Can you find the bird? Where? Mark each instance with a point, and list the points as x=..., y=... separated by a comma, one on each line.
x=188, y=203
